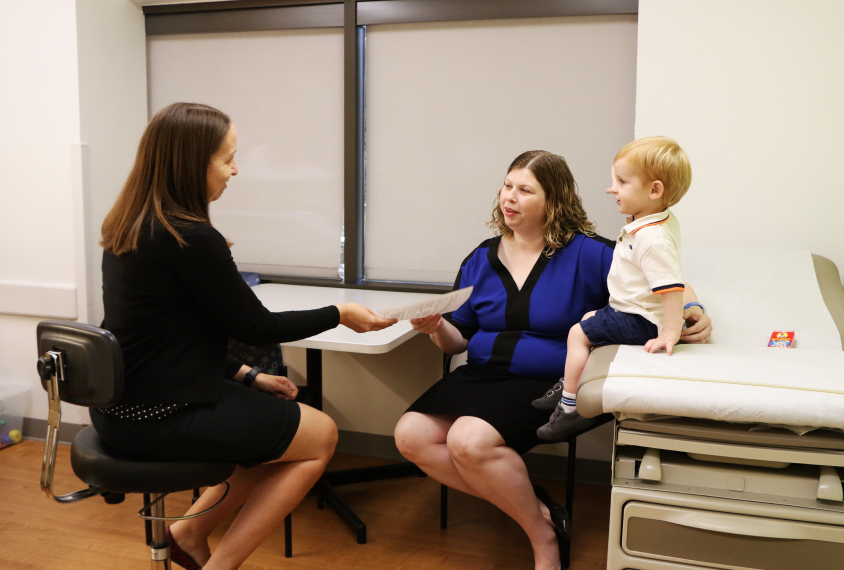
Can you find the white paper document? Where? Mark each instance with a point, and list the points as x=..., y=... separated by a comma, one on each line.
x=442, y=304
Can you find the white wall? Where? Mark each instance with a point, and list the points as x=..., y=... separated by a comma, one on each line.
x=40, y=122
x=113, y=115
x=752, y=90
x=73, y=86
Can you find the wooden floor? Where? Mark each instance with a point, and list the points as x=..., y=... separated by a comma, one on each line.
x=402, y=518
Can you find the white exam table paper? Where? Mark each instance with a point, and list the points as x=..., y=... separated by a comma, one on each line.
x=438, y=305
x=778, y=386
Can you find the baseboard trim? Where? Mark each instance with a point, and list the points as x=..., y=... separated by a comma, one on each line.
x=37, y=429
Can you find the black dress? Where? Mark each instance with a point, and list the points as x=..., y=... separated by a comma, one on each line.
x=173, y=308
x=517, y=337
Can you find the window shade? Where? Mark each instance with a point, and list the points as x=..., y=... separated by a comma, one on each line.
x=450, y=105
x=284, y=92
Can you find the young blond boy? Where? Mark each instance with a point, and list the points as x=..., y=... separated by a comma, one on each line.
x=645, y=282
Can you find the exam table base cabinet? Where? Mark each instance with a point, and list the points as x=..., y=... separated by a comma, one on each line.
x=698, y=514
x=668, y=531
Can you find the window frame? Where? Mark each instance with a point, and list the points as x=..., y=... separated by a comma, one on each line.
x=353, y=16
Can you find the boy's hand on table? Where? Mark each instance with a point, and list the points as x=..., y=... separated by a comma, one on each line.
x=665, y=341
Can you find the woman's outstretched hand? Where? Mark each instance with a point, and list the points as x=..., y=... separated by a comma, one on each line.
x=360, y=319
x=427, y=325
x=279, y=386
x=442, y=333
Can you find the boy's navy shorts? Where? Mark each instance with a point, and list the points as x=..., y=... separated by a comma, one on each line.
x=609, y=326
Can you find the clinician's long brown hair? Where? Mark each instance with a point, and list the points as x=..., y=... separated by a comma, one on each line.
x=564, y=213
x=168, y=184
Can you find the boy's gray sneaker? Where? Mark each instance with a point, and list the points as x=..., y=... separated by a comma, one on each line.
x=551, y=398
x=559, y=423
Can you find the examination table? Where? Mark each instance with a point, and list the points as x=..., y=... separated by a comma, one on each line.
x=709, y=468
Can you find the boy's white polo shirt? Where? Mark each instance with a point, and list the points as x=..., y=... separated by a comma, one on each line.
x=646, y=263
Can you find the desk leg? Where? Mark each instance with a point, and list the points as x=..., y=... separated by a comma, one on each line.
x=313, y=363
x=325, y=487
x=344, y=511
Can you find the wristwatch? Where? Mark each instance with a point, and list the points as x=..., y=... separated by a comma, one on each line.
x=251, y=375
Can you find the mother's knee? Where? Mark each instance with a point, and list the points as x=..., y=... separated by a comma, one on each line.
x=472, y=441
x=410, y=435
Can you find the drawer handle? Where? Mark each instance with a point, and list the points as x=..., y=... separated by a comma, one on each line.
x=651, y=468
x=829, y=485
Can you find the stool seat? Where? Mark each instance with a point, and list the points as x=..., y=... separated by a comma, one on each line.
x=100, y=467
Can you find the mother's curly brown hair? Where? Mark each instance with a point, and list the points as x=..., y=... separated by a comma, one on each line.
x=564, y=213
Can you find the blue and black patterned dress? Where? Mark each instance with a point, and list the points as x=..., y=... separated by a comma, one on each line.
x=517, y=337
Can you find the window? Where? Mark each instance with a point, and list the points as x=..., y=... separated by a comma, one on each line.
x=284, y=92
x=450, y=105
x=453, y=93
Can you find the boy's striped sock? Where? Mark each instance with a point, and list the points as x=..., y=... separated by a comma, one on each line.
x=569, y=402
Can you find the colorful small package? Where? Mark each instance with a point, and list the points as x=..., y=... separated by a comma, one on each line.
x=782, y=339
x=11, y=438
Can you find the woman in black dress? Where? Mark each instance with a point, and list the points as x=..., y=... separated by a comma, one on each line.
x=173, y=297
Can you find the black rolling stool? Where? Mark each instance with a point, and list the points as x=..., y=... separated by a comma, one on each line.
x=561, y=515
x=83, y=365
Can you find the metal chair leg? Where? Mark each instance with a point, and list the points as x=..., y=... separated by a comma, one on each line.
x=288, y=536
x=443, y=507
x=147, y=524
x=160, y=548
x=565, y=556
x=570, y=467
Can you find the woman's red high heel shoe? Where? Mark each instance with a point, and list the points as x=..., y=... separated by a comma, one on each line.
x=178, y=555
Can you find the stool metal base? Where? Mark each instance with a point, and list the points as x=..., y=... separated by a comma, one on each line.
x=159, y=548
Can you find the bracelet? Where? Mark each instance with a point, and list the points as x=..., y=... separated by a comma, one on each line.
x=250, y=376
x=694, y=304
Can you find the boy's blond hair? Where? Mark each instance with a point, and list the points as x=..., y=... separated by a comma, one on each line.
x=660, y=158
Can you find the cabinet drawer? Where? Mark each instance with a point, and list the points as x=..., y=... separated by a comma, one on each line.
x=725, y=540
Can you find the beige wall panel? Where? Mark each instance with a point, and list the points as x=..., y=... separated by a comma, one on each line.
x=752, y=90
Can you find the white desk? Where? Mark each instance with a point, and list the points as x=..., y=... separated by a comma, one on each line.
x=342, y=339
x=297, y=297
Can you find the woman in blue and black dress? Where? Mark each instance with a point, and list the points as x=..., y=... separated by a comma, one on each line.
x=537, y=278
